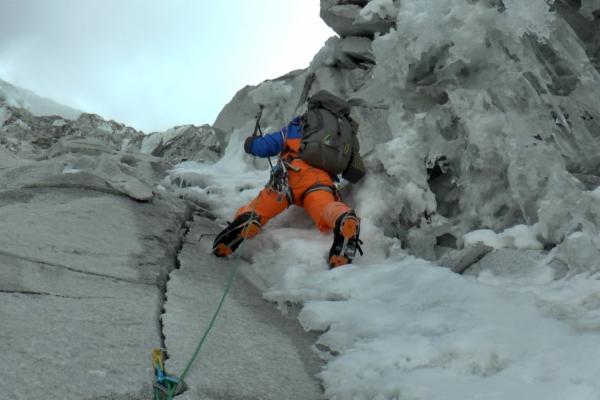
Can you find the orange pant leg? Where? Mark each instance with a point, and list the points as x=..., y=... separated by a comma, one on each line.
x=321, y=205
x=324, y=209
x=266, y=205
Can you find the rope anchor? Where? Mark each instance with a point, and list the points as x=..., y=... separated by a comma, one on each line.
x=168, y=386
x=165, y=386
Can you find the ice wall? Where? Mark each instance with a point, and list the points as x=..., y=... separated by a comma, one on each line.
x=473, y=114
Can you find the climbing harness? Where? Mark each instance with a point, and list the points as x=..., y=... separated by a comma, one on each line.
x=278, y=181
x=333, y=189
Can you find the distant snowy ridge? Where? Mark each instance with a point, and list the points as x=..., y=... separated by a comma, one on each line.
x=15, y=96
x=25, y=115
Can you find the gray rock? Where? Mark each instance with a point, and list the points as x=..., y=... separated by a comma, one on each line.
x=92, y=125
x=80, y=287
x=507, y=262
x=189, y=143
x=147, y=168
x=88, y=243
x=343, y=17
x=354, y=52
x=584, y=19
x=460, y=260
x=86, y=146
x=591, y=182
x=30, y=136
x=99, y=174
x=253, y=351
x=241, y=111
x=237, y=112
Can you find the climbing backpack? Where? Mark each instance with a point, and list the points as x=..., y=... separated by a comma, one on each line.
x=329, y=139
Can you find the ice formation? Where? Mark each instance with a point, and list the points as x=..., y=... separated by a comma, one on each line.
x=474, y=114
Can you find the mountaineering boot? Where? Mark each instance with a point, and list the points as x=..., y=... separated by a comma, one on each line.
x=345, y=240
x=245, y=226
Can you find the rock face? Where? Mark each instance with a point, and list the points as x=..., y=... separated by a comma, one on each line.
x=584, y=18
x=186, y=143
x=82, y=267
x=87, y=244
x=55, y=152
x=89, y=239
x=356, y=17
x=253, y=352
x=81, y=276
x=117, y=157
x=30, y=136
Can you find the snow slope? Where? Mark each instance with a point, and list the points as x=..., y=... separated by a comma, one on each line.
x=399, y=327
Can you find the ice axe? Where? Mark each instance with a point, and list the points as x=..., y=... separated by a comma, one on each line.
x=257, y=130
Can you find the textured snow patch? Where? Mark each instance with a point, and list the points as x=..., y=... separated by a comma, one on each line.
x=520, y=237
x=71, y=171
x=393, y=328
x=381, y=8
x=271, y=92
x=151, y=141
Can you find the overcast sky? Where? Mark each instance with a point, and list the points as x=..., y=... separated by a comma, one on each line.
x=154, y=64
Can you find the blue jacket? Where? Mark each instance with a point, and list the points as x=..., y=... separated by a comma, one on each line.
x=271, y=144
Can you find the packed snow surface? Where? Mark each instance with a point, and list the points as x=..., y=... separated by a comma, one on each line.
x=398, y=327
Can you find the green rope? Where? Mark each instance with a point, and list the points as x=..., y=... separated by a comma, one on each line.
x=172, y=391
x=212, y=321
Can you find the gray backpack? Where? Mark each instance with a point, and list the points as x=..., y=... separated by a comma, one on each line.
x=329, y=139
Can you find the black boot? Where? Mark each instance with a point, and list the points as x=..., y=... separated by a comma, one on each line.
x=345, y=240
x=245, y=226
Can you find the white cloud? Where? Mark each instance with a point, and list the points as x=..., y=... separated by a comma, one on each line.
x=154, y=64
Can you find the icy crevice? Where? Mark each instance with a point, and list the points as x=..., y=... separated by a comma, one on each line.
x=174, y=253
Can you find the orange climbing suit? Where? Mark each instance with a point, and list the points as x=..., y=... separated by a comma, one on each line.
x=321, y=204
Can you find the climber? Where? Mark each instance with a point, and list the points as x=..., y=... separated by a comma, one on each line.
x=314, y=148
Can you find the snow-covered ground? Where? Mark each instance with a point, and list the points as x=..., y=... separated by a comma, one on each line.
x=398, y=327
